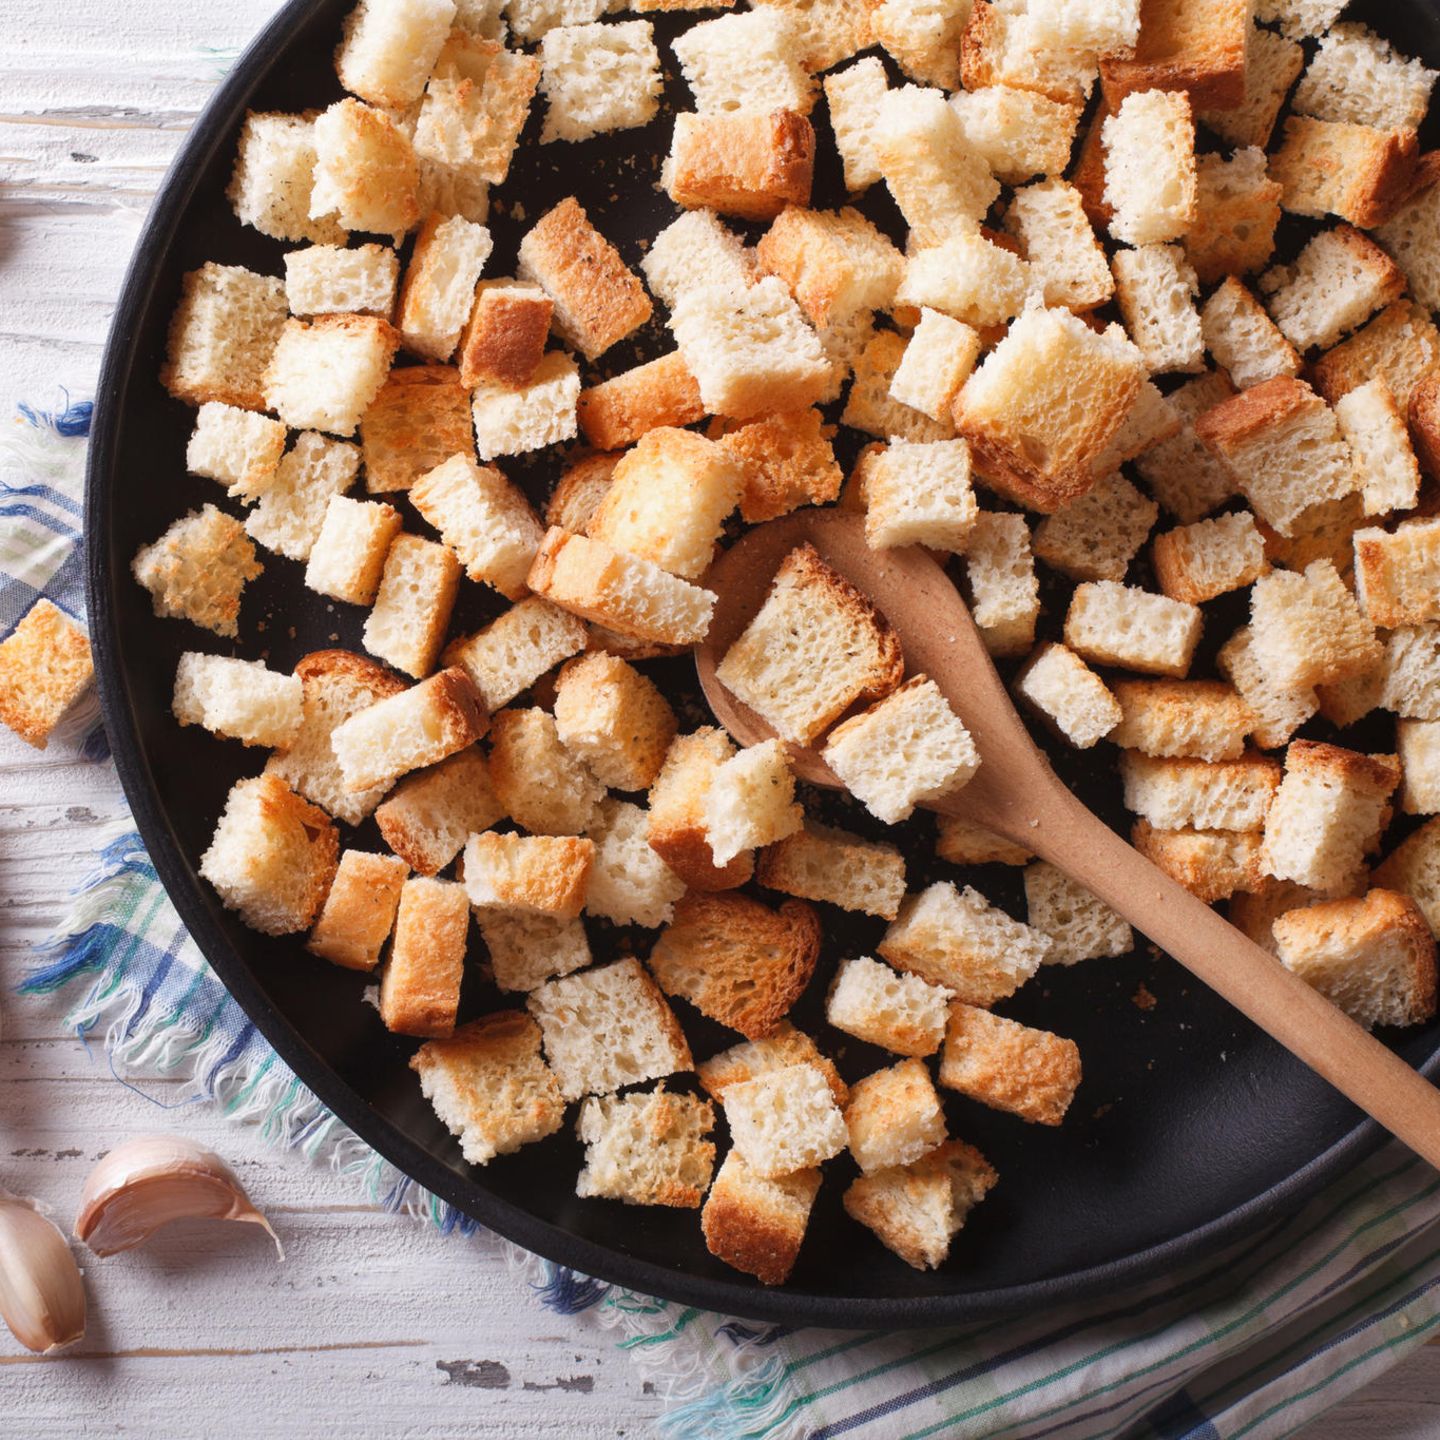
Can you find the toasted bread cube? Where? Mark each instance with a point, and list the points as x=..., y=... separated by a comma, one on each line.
x=331, y=280
x=694, y=251
x=853, y=96
x=504, y=339
x=490, y=1087
x=291, y=512
x=222, y=336
x=1245, y=342
x=869, y=405
x=1097, y=536
x=45, y=666
x=1211, y=864
x=420, y=726
x=1413, y=869
x=894, y=1117
x=439, y=290
x=359, y=911
x=1150, y=175
x=1067, y=693
x=517, y=648
x=510, y=421
x=1254, y=912
x=623, y=409
x=646, y=1149
x=198, y=569
x=1418, y=744
x=1182, y=474
x=1271, y=64
x=1374, y=957
x=1307, y=629
x=1182, y=793
x=820, y=863
x=366, y=175
x=938, y=177
x=1152, y=420
x=1019, y=133
x=598, y=79
x=1192, y=46
x=967, y=277
x=579, y=490
x=1357, y=77
x=234, y=699
x=1400, y=345
x=390, y=46
x=1300, y=19
x=1339, y=280
x=526, y=950
x=822, y=32
x=757, y=1225
x=1003, y=46
x=1080, y=925
x=420, y=418
x=782, y=1047
x=962, y=842
x=426, y=818
x=1356, y=172
x=784, y=1120
x=614, y=719
x=785, y=461
x=1397, y=575
x=1156, y=288
x=939, y=357
x=272, y=856
x=274, y=171
x=920, y=494
x=1195, y=563
x=608, y=1027
x=1278, y=712
x=751, y=802
x=238, y=448
x=407, y=623
x=955, y=939
x=1410, y=234
x=1004, y=591
x=922, y=37
x=835, y=263
x=744, y=64
x=347, y=558
x=677, y=830
x=538, y=782
x=1374, y=427
x=629, y=883
x=1114, y=624
x=1009, y=1066
x=747, y=165
x=901, y=1013
x=1189, y=719
x=1412, y=672
x=536, y=874
x=1065, y=258
x=1033, y=437
x=534, y=19
x=324, y=374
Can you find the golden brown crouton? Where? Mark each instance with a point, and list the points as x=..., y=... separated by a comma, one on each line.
x=45, y=664
x=618, y=411
x=420, y=417
x=746, y=165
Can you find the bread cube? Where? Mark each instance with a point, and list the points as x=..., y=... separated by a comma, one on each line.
x=427, y=817
x=534, y=19
x=598, y=79
x=272, y=856
x=1418, y=744
x=782, y=1047
x=901, y=1013
x=1066, y=692
x=537, y=874
x=962, y=842
x=1195, y=563
x=289, y=515
x=751, y=802
x=1396, y=574
x=1002, y=46
x=514, y=421
x=894, y=1117
x=418, y=585
x=1400, y=345
x=324, y=374
x=923, y=38
x=504, y=339
x=1019, y=133
x=234, y=699
x=744, y=64
x=646, y=1149
x=1080, y=925
x=1120, y=625
x=784, y=1121
x=677, y=829
x=822, y=32
x=1245, y=342
x=526, y=950
x=835, y=263
x=1182, y=474
x=439, y=290
x=820, y=863
x=419, y=418
x=347, y=558
x=869, y=405
x=1181, y=793
x=614, y=719
x=785, y=461
x=1009, y=1066
x=420, y=984
x=737, y=961
x=853, y=96
x=1097, y=536
x=748, y=165
x=939, y=357
x=1374, y=427
x=1151, y=421
x=366, y=175
x=517, y=648
x=1156, y=288
x=390, y=46
x=1067, y=263
x=579, y=490
x=331, y=280
x=1356, y=172
x=693, y=251
x=967, y=277
x=223, y=335
x=274, y=171
x=1307, y=629
x=1409, y=236
x=238, y=448
x=490, y=1087
x=1004, y=592
x=1211, y=864
x=1413, y=869
x=538, y=782
x=1194, y=46
x=1338, y=281
x=920, y=494
x=757, y=1225
x=1150, y=174
x=198, y=569
x=1192, y=719
x=619, y=411
x=45, y=666
x=629, y=883
x=1271, y=64
x=359, y=911
x=1412, y=672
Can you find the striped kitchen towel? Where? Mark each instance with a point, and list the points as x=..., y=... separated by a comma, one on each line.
x=1257, y=1340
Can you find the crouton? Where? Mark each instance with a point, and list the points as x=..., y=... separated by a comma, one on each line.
x=272, y=856
x=922, y=37
x=1097, y=536
x=1400, y=345
x=348, y=556
x=784, y=461
x=955, y=939
x=823, y=32
x=534, y=19
x=439, y=289
x=1064, y=691
x=599, y=79
x=1150, y=174
x=289, y=515
x=359, y=911
x=1339, y=280
x=1397, y=575
x=677, y=831
x=234, y=699
x=503, y=341
x=1413, y=869
x=782, y=1047
x=419, y=418
x=1307, y=630
x=1358, y=173
x=646, y=1149
x=1193, y=719
x=869, y=405
x=580, y=489
x=1183, y=475
x=614, y=719
x=1004, y=591
x=1300, y=19
x=1412, y=672
x=893, y=1117
x=1424, y=418
x=747, y=165
x=1009, y=1066
x=1156, y=288
x=1409, y=234
x=629, y=883
x=407, y=624
x=1067, y=263
x=390, y=46
x=517, y=648
x=45, y=666
x=198, y=569
x=757, y=1225
x=420, y=984
x=536, y=874
x=515, y=420
x=901, y=1013
x=1087, y=175
x=1019, y=133
x=962, y=842
x=939, y=357
x=1195, y=563
x=366, y=175
x=1080, y=925
x=1001, y=46
x=835, y=263
x=623, y=409
x=331, y=280
x=1374, y=427
x=427, y=817
x=694, y=251
x=1254, y=912
x=324, y=374
x=854, y=95
x=919, y=494
x=527, y=949
x=1237, y=211
x=1211, y=864
x=744, y=64
x=1114, y=624
x=1178, y=794
x=1271, y=64
x=1418, y=744
x=1357, y=77
x=490, y=1087
x=1245, y=342
x=538, y=782
x=274, y=172
x=819, y=863
x=223, y=335
x=967, y=277
x=1197, y=47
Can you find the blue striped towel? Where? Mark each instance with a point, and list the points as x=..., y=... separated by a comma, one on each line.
x=1254, y=1341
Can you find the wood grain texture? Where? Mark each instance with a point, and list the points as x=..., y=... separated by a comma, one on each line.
x=373, y=1324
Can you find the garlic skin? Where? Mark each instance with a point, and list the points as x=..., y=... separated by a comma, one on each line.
x=153, y=1179
x=42, y=1297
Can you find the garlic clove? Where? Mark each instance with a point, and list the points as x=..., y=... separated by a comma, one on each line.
x=42, y=1298
x=154, y=1179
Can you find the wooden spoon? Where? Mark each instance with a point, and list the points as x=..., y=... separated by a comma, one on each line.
x=1016, y=794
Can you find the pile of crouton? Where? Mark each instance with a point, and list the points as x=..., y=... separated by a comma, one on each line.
x=1235, y=422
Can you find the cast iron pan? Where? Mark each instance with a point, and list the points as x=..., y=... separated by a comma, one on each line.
x=1190, y=1127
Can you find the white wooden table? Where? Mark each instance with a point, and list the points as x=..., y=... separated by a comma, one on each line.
x=373, y=1325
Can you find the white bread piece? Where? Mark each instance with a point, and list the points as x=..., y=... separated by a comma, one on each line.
x=427, y=817
x=956, y=939
x=962, y=842
x=418, y=727
x=516, y=421
x=694, y=251
x=1132, y=629
x=751, y=802
x=646, y=1149
x=1350, y=700
x=782, y=1047
x=1080, y=925
x=1412, y=672
x=1374, y=956
x=615, y=719
x=1238, y=214
x=869, y=406
x=1278, y=713
x=1337, y=282
x=420, y=418
x=274, y=172
x=1401, y=344
x=668, y=501
x=237, y=699
x=901, y=1013
x=579, y=491
x=1396, y=573
x=46, y=664
x=490, y=1087
x=324, y=373
x=677, y=812
x=389, y=48
x=893, y=1117
x=289, y=515
x=1307, y=630
x=784, y=1121
x=1001, y=46
x=1156, y=288
x=1100, y=27
x=1211, y=864
x=420, y=983
x=751, y=351
x=1418, y=745
x=629, y=883
x=1375, y=430
x=526, y=950
x=534, y=19
x=1300, y=19
x=1413, y=869
x=1019, y=133
x=331, y=280
x=608, y=1027
x=1354, y=171
x=359, y=911
x=198, y=569
x=820, y=863
x=622, y=592
x=969, y=277
x=1193, y=719
x=854, y=95
x=1067, y=263
x=823, y=32
x=938, y=178
x=598, y=79
x=238, y=448
x=1176, y=794
x=347, y=557
x=904, y=750
x=223, y=335
x=939, y=358
x=919, y=494
x=1064, y=690
x=755, y=1225
x=512, y=652
x=745, y=63
x=1009, y=1066
x=922, y=37
x=366, y=174
x=439, y=288
x=1245, y=341
x=835, y=262
x=1271, y=64
x=1150, y=174
x=1004, y=590
x=1182, y=474
x=484, y=519
x=272, y=856
x=406, y=625
x=1411, y=236
x=1195, y=563
x=1358, y=77
x=539, y=783
x=1097, y=536
x=534, y=874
